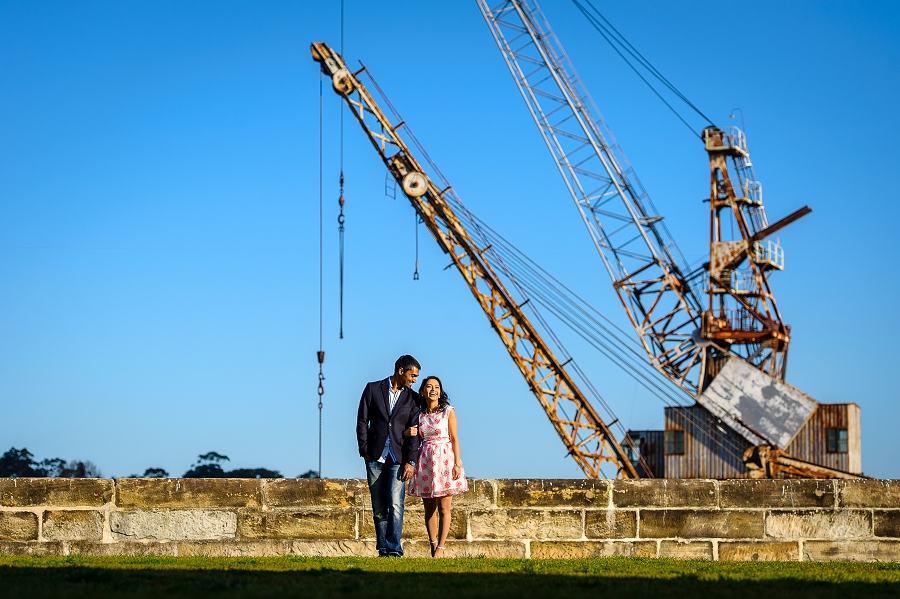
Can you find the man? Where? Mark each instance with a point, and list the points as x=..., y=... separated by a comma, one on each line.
x=388, y=441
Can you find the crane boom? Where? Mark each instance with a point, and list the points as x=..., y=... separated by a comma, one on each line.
x=585, y=434
x=639, y=254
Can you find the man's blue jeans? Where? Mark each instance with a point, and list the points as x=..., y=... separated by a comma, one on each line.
x=387, y=491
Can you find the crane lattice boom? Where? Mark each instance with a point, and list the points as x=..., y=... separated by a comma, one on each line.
x=585, y=434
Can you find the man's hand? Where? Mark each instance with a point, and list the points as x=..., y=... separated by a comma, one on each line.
x=407, y=472
x=411, y=431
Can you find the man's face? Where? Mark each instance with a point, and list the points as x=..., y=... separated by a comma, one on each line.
x=409, y=376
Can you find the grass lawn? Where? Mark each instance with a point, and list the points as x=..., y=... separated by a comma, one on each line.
x=384, y=578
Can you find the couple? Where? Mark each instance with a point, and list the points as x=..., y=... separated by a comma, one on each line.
x=422, y=448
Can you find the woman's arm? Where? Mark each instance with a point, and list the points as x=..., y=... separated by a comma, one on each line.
x=454, y=442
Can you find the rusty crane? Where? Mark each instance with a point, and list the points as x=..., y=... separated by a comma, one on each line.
x=716, y=332
x=586, y=435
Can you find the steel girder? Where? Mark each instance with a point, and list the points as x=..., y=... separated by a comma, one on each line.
x=586, y=436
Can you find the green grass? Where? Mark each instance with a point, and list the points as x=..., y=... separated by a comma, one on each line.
x=606, y=578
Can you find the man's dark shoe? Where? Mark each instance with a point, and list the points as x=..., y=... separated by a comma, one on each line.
x=394, y=554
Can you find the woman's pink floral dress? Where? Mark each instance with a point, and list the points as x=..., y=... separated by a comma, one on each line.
x=433, y=474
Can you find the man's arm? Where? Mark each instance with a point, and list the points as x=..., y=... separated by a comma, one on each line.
x=411, y=444
x=362, y=422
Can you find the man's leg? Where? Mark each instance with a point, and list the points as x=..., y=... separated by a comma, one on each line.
x=396, y=490
x=378, y=475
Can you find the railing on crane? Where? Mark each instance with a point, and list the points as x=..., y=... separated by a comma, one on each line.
x=579, y=425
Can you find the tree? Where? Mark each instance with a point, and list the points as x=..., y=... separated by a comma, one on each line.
x=208, y=465
x=155, y=473
x=309, y=474
x=18, y=463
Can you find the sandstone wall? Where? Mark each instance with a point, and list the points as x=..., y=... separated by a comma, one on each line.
x=722, y=520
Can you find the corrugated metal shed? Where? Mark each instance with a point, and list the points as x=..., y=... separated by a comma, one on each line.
x=651, y=446
x=811, y=443
x=711, y=449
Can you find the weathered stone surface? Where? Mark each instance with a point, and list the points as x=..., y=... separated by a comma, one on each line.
x=578, y=549
x=730, y=524
x=315, y=493
x=333, y=548
x=268, y=548
x=173, y=525
x=763, y=551
x=18, y=526
x=868, y=493
x=55, y=492
x=297, y=524
x=783, y=493
x=686, y=549
x=31, y=548
x=552, y=493
x=886, y=523
x=121, y=548
x=188, y=492
x=489, y=549
x=661, y=493
x=72, y=525
x=610, y=524
x=525, y=524
x=480, y=495
x=414, y=525
x=797, y=524
x=852, y=551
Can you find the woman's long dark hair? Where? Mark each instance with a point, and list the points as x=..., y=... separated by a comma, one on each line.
x=443, y=400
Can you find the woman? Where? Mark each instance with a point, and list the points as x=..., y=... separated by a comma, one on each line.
x=438, y=474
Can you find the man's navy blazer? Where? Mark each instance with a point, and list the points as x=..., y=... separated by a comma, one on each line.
x=374, y=423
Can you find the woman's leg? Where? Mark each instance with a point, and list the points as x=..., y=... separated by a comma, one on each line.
x=431, y=520
x=443, y=506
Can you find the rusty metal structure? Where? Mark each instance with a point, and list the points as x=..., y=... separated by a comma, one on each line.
x=586, y=435
x=716, y=332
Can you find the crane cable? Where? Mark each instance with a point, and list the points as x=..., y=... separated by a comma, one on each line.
x=614, y=37
x=341, y=218
x=320, y=355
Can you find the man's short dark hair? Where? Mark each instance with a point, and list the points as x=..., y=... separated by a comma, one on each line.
x=406, y=362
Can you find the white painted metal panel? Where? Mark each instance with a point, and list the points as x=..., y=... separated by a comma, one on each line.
x=757, y=405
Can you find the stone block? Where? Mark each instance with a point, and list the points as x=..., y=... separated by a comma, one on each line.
x=763, y=551
x=852, y=551
x=686, y=549
x=316, y=493
x=32, y=548
x=122, y=548
x=581, y=549
x=525, y=524
x=662, y=493
x=18, y=526
x=414, y=525
x=480, y=495
x=297, y=524
x=886, y=523
x=333, y=548
x=610, y=524
x=730, y=524
x=488, y=549
x=552, y=493
x=72, y=525
x=868, y=493
x=813, y=524
x=268, y=548
x=776, y=493
x=173, y=525
x=55, y=492
x=188, y=492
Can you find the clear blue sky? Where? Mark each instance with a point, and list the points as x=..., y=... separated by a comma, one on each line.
x=159, y=223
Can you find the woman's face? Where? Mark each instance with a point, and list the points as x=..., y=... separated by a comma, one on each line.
x=432, y=391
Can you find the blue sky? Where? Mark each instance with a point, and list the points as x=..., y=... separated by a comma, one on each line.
x=159, y=216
